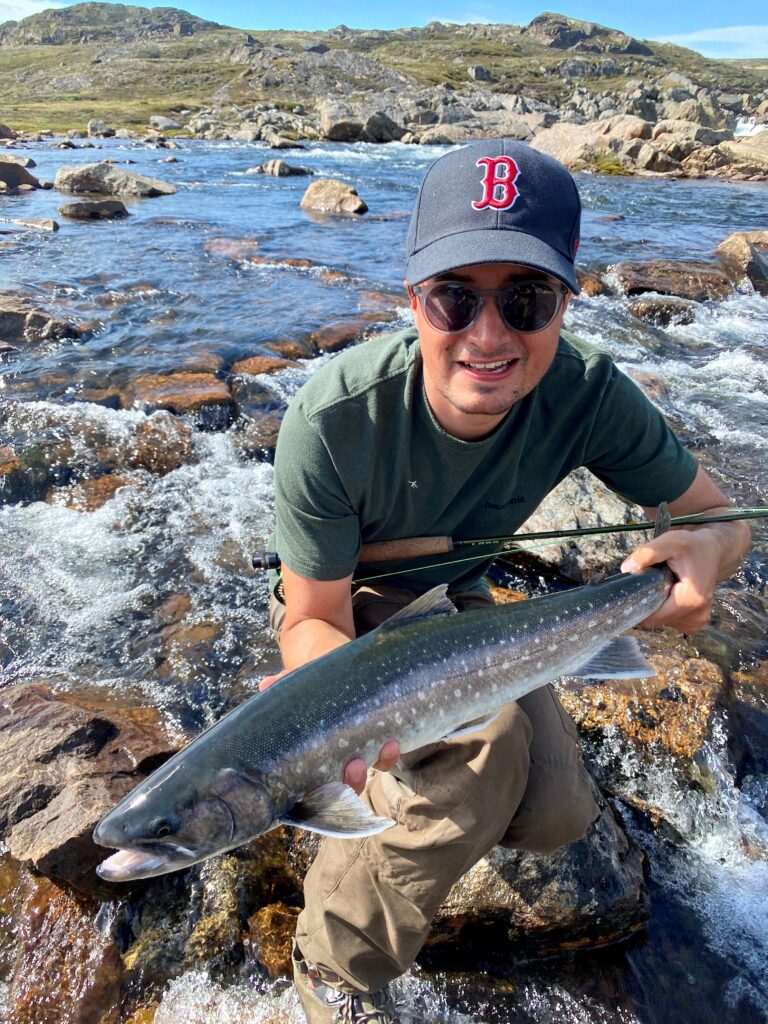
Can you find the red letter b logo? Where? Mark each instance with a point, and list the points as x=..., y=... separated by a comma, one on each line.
x=499, y=191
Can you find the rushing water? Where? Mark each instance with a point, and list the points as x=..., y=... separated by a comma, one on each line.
x=80, y=592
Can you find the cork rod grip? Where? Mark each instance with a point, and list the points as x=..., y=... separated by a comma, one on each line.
x=407, y=547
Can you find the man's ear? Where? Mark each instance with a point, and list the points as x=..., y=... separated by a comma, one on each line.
x=411, y=296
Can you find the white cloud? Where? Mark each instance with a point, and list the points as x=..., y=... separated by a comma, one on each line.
x=15, y=10
x=743, y=41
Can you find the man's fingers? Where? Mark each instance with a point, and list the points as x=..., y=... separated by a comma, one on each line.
x=267, y=681
x=356, y=771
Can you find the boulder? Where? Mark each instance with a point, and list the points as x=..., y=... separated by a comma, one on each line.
x=106, y=179
x=67, y=758
x=14, y=176
x=94, y=209
x=478, y=73
x=450, y=134
x=98, y=129
x=574, y=145
x=688, y=279
x=36, y=225
x=588, y=894
x=254, y=365
x=327, y=195
x=232, y=248
x=280, y=169
x=89, y=495
x=164, y=124
x=13, y=158
x=6, y=132
x=201, y=395
x=663, y=311
x=748, y=157
x=689, y=129
x=380, y=127
x=744, y=255
x=22, y=322
x=338, y=123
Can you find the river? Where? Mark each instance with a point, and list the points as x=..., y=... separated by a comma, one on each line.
x=79, y=588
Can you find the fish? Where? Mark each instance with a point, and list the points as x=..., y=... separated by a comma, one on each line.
x=427, y=674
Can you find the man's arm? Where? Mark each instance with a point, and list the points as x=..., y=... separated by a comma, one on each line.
x=700, y=556
x=318, y=619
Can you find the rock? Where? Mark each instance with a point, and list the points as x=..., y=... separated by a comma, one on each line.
x=591, y=283
x=338, y=123
x=335, y=337
x=106, y=179
x=449, y=134
x=94, y=209
x=256, y=437
x=327, y=195
x=232, y=248
x=56, y=927
x=379, y=127
x=164, y=124
x=13, y=158
x=590, y=893
x=582, y=500
x=36, y=225
x=688, y=279
x=689, y=129
x=99, y=129
x=281, y=169
x=6, y=132
x=663, y=311
x=89, y=495
x=262, y=364
x=744, y=255
x=478, y=73
x=199, y=394
x=14, y=176
x=21, y=322
x=271, y=931
x=573, y=145
x=66, y=759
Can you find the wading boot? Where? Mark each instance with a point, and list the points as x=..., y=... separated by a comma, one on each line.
x=323, y=1004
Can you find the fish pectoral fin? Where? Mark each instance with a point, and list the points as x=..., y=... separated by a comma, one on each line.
x=334, y=809
x=620, y=658
x=434, y=602
x=472, y=726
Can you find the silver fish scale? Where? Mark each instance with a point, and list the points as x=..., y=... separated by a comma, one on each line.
x=419, y=681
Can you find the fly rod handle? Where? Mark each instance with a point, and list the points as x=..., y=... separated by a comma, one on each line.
x=407, y=547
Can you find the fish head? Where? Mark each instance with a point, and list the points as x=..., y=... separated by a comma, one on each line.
x=180, y=816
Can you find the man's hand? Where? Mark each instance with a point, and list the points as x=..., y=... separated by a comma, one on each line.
x=356, y=771
x=694, y=558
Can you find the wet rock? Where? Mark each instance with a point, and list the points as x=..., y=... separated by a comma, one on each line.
x=382, y=302
x=94, y=209
x=590, y=893
x=326, y=195
x=36, y=225
x=280, y=169
x=199, y=394
x=271, y=931
x=687, y=279
x=89, y=495
x=663, y=311
x=217, y=936
x=337, y=336
x=670, y=712
x=591, y=283
x=66, y=759
x=14, y=177
x=232, y=248
x=21, y=322
x=744, y=255
x=750, y=727
x=55, y=927
x=262, y=364
x=256, y=438
x=582, y=500
x=106, y=179
x=653, y=386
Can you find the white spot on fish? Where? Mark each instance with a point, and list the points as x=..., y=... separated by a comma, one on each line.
x=553, y=647
x=457, y=692
x=539, y=664
x=494, y=687
x=343, y=743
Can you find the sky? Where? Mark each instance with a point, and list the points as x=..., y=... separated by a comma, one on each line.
x=714, y=28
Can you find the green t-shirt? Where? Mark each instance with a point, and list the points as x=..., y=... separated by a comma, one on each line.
x=361, y=458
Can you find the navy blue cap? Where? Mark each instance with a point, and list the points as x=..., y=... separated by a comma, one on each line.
x=496, y=201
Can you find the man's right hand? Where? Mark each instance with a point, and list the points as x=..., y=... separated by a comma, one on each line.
x=356, y=771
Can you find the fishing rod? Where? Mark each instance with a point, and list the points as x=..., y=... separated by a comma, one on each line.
x=424, y=547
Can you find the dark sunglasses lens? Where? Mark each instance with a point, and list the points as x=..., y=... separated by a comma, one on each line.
x=529, y=306
x=450, y=307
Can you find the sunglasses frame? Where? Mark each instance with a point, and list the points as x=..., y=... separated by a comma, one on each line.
x=424, y=291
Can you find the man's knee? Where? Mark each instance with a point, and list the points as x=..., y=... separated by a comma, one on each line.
x=550, y=819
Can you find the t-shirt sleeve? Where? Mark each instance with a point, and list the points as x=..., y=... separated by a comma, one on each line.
x=633, y=450
x=317, y=531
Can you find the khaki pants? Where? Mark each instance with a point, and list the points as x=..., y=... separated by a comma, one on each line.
x=519, y=782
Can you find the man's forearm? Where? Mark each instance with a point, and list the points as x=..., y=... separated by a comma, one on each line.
x=309, y=639
x=731, y=541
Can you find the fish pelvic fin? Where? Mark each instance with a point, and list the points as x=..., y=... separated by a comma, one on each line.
x=620, y=658
x=334, y=809
x=472, y=726
x=434, y=602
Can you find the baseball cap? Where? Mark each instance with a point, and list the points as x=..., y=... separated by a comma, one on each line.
x=495, y=201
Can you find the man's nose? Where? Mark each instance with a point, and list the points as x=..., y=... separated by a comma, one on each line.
x=488, y=326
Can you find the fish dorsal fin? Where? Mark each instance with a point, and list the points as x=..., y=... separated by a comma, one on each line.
x=434, y=602
x=620, y=658
x=334, y=809
x=663, y=520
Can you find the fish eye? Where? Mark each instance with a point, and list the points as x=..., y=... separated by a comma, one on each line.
x=161, y=827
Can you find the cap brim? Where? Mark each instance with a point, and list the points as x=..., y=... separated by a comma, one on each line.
x=467, y=248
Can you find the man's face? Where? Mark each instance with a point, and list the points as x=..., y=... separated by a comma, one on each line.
x=468, y=398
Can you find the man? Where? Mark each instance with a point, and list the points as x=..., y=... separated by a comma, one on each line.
x=461, y=426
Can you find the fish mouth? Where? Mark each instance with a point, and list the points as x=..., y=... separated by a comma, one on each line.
x=133, y=863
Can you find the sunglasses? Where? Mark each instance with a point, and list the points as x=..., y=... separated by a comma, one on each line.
x=525, y=306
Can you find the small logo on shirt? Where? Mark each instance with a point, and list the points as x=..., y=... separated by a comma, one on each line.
x=413, y=484
x=498, y=506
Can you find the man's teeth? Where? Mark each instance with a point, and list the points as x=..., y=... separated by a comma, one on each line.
x=489, y=366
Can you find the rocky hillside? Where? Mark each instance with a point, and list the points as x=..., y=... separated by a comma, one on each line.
x=440, y=83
